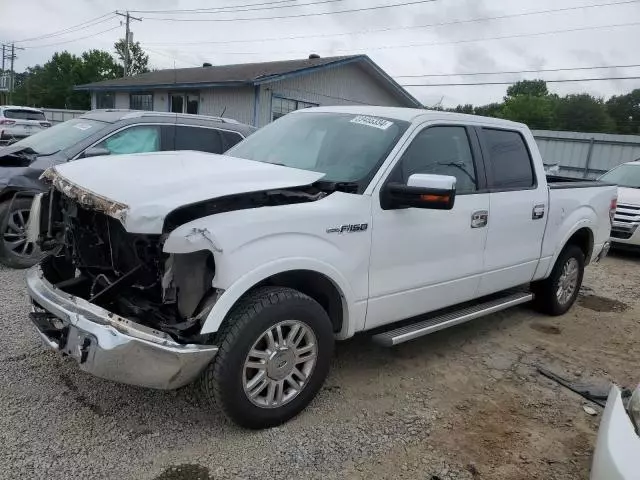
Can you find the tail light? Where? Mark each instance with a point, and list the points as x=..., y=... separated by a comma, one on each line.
x=612, y=209
x=45, y=124
x=7, y=122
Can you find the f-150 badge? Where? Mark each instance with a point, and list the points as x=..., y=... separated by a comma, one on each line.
x=351, y=228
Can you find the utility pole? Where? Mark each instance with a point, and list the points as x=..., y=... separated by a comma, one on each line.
x=9, y=80
x=13, y=57
x=127, y=40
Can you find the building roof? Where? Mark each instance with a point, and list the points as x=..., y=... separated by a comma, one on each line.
x=247, y=74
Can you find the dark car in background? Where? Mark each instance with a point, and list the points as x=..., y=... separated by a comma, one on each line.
x=99, y=132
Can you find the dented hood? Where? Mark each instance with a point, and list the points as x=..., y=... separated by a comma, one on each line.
x=141, y=190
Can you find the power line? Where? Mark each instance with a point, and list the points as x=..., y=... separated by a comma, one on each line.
x=563, y=80
x=237, y=8
x=171, y=57
x=431, y=44
x=73, y=40
x=465, y=74
x=316, y=14
x=74, y=28
x=390, y=29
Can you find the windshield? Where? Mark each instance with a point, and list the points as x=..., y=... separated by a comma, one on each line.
x=61, y=136
x=346, y=147
x=627, y=175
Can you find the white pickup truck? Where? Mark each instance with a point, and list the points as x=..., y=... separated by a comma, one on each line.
x=242, y=269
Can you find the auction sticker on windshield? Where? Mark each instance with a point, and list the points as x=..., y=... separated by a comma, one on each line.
x=83, y=126
x=375, y=122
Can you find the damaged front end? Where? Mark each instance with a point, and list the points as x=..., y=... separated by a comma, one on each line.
x=93, y=257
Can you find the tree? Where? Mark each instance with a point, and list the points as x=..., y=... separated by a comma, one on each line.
x=535, y=88
x=52, y=84
x=490, y=110
x=625, y=112
x=583, y=113
x=537, y=112
x=138, y=60
x=468, y=108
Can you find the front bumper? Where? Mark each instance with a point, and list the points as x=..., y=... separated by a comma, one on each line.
x=618, y=446
x=109, y=346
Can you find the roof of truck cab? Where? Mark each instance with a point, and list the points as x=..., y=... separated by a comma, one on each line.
x=414, y=114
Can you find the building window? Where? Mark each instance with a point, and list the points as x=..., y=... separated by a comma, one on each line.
x=184, y=102
x=141, y=101
x=105, y=100
x=281, y=106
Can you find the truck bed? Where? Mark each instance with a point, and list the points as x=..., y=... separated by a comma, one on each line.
x=556, y=182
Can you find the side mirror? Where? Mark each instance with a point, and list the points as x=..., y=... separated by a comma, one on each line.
x=436, y=192
x=95, y=152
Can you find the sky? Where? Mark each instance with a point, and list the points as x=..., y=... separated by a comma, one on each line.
x=410, y=41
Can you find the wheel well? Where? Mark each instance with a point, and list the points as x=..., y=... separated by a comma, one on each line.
x=315, y=285
x=6, y=195
x=583, y=238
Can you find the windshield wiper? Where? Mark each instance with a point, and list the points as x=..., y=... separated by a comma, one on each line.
x=346, y=187
x=48, y=154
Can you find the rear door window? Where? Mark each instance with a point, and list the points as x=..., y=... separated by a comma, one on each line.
x=19, y=114
x=199, y=139
x=510, y=164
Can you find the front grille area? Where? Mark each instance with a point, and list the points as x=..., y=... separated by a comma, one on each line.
x=625, y=221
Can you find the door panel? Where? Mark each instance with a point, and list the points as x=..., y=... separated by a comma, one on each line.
x=514, y=240
x=423, y=260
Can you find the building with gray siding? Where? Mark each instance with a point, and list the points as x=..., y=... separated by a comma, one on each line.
x=586, y=155
x=254, y=93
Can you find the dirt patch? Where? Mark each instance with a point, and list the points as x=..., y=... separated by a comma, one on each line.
x=544, y=328
x=185, y=472
x=601, y=304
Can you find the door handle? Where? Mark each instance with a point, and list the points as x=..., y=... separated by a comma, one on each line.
x=479, y=219
x=538, y=212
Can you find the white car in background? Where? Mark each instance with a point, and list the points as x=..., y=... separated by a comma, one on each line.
x=20, y=122
x=624, y=230
x=618, y=445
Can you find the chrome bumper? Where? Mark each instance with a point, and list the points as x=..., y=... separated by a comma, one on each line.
x=109, y=346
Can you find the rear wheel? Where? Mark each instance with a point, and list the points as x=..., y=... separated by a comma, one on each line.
x=15, y=250
x=556, y=294
x=274, y=356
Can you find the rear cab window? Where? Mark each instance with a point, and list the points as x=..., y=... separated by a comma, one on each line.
x=21, y=114
x=230, y=138
x=201, y=139
x=510, y=165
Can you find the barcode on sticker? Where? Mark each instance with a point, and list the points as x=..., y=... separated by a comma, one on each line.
x=380, y=123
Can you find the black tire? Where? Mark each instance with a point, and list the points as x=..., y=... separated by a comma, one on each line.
x=8, y=256
x=222, y=380
x=546, y=291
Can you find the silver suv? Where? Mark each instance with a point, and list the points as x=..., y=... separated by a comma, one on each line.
x=99, y=132
x=17, y=123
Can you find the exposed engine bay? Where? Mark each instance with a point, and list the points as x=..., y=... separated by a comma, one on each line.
x=92, y=256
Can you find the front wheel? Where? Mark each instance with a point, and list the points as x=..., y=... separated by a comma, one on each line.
x=556, y=294
x=275, y=351
x=15, y=249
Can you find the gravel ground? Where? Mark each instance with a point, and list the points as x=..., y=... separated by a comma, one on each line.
x=465, y=403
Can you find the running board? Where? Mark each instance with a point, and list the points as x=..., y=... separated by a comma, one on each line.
x=431, y=325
